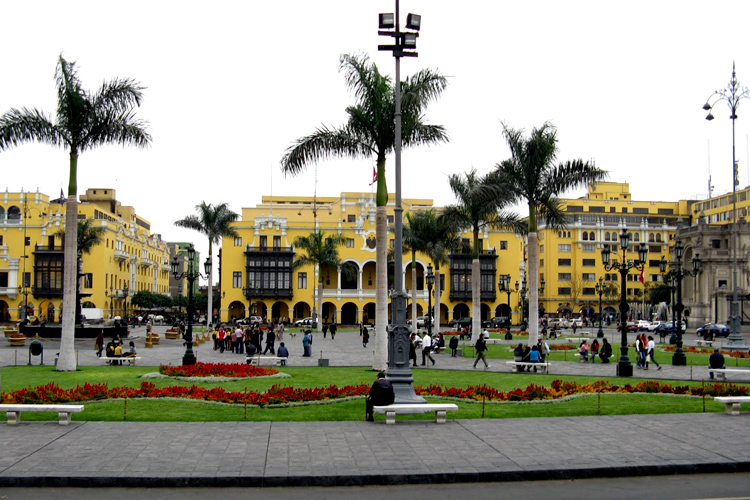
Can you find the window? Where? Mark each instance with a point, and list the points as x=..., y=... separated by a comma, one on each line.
x=503, y=245
x=589, y=277
x=653, y=263
x=589, y=263
x=263, y=241
x=27, y=279
x=606, y=236
x=563, y=248
x=585, y=236
x=714, y=243
x=563, y=276
x=88, y=280
x=637, y=237
x=588, y=248
x=541, y=262
x=589, y=291
x=563, y=290
x=390, y=219
x=563, y=262
x=302, y=280
x=238, y=241
x=351, y=218
x=277, y=242
x=237, y=279
x=350, y=243
x=3, y=279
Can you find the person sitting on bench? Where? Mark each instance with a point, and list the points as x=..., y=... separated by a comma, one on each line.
x=716, y=362
x=381, y=394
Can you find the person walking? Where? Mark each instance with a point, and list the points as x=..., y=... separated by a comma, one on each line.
x=427, y=348
x=716, y=362
x=325, y=329
x=99, y=343
x=333, y=330
x=365, y=336
x=413, y=349
x=270, y=339
x=650, y=351
x=306, y=343
x=481, y=348
x=453, y=344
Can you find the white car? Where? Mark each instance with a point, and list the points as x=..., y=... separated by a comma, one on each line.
x=304, y=322
x=654, y=325
x=422, y=321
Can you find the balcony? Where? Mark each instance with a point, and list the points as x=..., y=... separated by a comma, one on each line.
x=121, y=255
x=46, y=292
x=144, y=262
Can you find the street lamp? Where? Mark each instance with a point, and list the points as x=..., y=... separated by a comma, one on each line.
x=732, y=94
x=430, y=282
x=399, y=373
x=678, y=358
x=624, y=367
x=126, y=291
x=191, y=274
x=503, y=285
x=599, y=287
x=111, y=297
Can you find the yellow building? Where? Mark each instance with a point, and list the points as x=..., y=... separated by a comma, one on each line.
x=257, y=276
x=129, y=258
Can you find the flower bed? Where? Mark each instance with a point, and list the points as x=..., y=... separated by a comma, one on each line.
x=704, y=350
x=276, y=395
x=563, y=347
x=217, y=370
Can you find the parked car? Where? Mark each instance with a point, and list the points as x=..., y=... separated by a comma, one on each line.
x=654, y=325
x=422, y=321
x=306, y=322
x=632, y=326
x=461, y=322
x=713, y=330
x=642, y=325
x=500, y=322
x=578, y=322
x=558, y=323
x=252, y=320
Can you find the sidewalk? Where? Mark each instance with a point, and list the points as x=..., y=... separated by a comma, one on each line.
x=361, y=453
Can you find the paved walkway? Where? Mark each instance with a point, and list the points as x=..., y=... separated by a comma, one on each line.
x=358, y=453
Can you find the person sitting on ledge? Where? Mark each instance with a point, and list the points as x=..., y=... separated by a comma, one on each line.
x=716, y=361
x=381, y=394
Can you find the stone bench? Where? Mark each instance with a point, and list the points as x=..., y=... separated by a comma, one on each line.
x=267, y=360
x=721, y=373
x=131, y=359
x=732, y=403
x=524, y=364
x=13, y=411
x=415, y=408
x=704, y=343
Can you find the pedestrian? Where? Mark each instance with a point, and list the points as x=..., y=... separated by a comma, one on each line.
x=481, y=348
x=333, y=330
x=426, y=348
x=221, y=336
x=99, y=343
x=650, y=351
x=716, y=362
x=270, y=340
x=325, y=329
x=306, y=343
x=365, y=336
x=453, y=344
x=238, y=341
x=543, y=348
x=413, y=349
x=381, y=394
x=640, y=350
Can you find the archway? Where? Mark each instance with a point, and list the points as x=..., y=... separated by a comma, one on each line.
x=460, y=311
x=443, y=317
x=486, y=312
x=301, y=311
x=349, y=314
x=236, y=310
x=502, y=310
x=368, y=313
x=279, y=310
x=4, y=312
x=349, y=273
x=50, y=313
x=329, y=312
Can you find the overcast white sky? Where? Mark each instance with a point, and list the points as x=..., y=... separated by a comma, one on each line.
x=232, y=83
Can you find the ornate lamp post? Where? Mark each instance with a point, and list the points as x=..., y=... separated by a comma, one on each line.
x=624, y=367
x=191, y=274
x=523, y=298
x=126, y=291
x=111, y=300
x=732, y=94
x=678, y=358
x=599, y=287
x=399, y=373
x=430, y=282
x=503, y=285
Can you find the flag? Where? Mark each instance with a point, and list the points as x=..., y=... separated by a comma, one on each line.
x=640, y=278
x=374, y=176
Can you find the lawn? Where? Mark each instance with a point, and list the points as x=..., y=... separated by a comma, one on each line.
x=14, y=378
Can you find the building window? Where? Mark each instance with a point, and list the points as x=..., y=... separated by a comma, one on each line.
x=302, y=281
x=503, y=245
x=88, y=280
x=589, y=277
x=238, y=241
x=277, y=242
x=589, y=248
x=562, y=248
x=589, y=291
x=541, y=262
x=563, y=262
x=563, y=291
x=351, y=218
x=3, y=279
x=237, y=279
x=350, y=243
x=264, y=242
x=390, y=219
x=563, y=276
x=589, y=262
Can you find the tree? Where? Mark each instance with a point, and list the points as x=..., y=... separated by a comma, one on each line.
x=371, y=132
x=214, y=221
x=481, y=204
x=532, y=176
x=83, y=121
x=88, y=237
x=413, y=234
x=317, y=251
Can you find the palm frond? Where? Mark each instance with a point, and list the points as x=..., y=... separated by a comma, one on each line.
x=18, y=126
x=323, y=143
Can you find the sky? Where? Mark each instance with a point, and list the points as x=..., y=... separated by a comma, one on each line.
x=232, y=84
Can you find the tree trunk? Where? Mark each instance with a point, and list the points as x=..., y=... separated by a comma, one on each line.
x=436, y=299
x=210, y=305
x=414, y=298
x=67, y=360
x=319, y=307
x=476, y=299
x=380, y=362
x=533, y=274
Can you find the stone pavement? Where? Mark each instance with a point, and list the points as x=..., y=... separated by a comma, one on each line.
x=360, y=453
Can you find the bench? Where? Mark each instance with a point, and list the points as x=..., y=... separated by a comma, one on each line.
x=523, y=364
x=258, y=360
x=721, y=373
x=579, y=339
x=131, y=360
x=413, y=408
x=732, y=403
x=13, y=411
x=704, y=343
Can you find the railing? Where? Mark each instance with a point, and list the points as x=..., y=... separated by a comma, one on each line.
x=268, y=249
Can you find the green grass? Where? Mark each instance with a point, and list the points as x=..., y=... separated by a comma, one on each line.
x=156, y=410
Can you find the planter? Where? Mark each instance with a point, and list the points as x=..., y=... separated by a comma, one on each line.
x=8, y=333
x=17, y=341
x=153, y=338
x=172, y=335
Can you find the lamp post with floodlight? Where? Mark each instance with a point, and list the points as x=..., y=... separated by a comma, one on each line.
x=191, y=275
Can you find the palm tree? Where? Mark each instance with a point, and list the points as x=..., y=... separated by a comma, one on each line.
x=89, y=236
x=83, y=121
x=369, y=132
x=480, y=205
x=413, y=232
x=532, y=175
x=215, y=222
x=319, y=250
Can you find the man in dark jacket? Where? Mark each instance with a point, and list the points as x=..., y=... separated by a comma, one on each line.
x=606, y=351
x=716, y=361
x=381, y=394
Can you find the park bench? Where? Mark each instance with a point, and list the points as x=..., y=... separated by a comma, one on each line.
x=523, y=364
x=578, y=340
x=414, y=408
x=13, y=411
x=721, y=373
x=131, y=360
x=732, y=403
x=704, y=343
x=267, y=360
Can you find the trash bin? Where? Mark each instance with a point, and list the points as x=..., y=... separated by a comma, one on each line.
x=36, y=349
